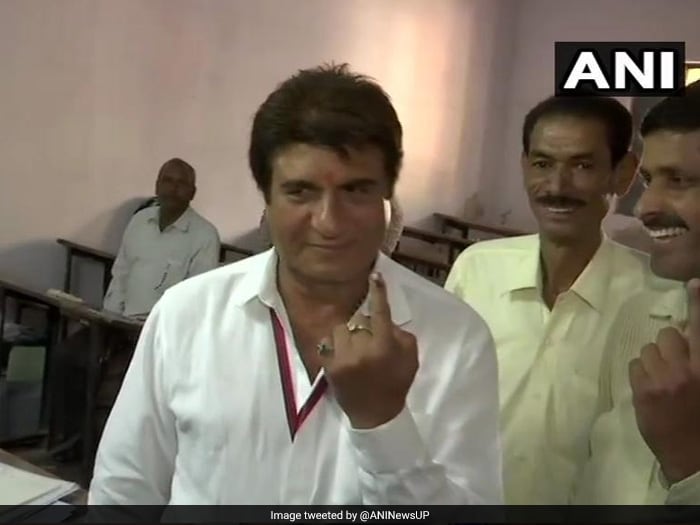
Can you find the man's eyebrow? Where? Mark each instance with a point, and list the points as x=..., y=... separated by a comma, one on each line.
x=298, y=184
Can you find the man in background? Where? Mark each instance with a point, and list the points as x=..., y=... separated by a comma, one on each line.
x=549, y=298
x=162, y=245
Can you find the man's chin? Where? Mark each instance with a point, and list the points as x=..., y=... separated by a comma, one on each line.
x=332, y=271
x=560, y=233
x=331, y=274
x=668, y=267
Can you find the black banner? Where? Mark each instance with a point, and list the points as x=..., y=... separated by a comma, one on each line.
x=419, y=514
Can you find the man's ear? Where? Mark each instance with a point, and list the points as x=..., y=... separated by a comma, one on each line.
x=624, y=175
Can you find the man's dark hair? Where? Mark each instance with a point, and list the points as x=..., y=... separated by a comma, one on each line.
x=326, y=106
x=609, y=111
x=177, y=165
x=677, y=113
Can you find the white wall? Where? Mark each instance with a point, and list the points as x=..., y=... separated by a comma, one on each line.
x=542, y=22
x=96, y=94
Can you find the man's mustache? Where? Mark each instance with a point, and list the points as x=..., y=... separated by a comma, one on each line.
x=660, y=222
x=563, y=201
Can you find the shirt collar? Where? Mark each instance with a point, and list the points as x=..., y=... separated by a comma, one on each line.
x=183, y=222
x=591, y=285
x=260, y=282
x=526, y=268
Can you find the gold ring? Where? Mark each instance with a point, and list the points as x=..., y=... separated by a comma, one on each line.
x=358, y=328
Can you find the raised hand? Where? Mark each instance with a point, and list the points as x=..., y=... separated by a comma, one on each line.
x=372, y=363
x=665, y=382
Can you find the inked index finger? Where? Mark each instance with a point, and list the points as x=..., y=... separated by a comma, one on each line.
x=379, y=309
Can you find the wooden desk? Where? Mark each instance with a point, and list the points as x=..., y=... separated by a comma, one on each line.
x=230, y=248
x=454, y=243
x=430, y=268
x=73, y=249
x=102, y=325
x=77, y=498
x=448, y=221
x=50, y=306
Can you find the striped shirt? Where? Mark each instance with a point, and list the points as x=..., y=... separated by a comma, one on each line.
x=621, y=469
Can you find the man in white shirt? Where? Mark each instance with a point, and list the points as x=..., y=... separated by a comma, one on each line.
x=291, y=377
x=162, y=245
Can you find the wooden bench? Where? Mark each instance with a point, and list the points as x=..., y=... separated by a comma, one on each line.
x=104, y=328
x=454, y=243
x=432, y=269
x=73, y=250
x=448, y=221
x=27, y=297
x=49, y=306
x=106, y=259
x=240, y=253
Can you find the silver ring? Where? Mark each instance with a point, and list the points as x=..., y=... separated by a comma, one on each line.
x=324, y=349
x=352, y=328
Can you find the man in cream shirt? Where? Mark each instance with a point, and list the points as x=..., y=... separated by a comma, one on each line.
x=645, y=445
x=549, y=298
x=320, y=371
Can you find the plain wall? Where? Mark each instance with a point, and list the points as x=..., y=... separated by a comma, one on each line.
x=97, y=94
x=539, y=24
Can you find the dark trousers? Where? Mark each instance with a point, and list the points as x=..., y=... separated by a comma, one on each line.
x=68, y=384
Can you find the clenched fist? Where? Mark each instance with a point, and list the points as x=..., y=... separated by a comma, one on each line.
x=665, y=382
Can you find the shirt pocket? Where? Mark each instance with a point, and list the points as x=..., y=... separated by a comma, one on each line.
x=175, y=270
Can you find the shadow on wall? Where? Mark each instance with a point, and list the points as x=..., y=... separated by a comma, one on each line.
x=40, y=264
x=105, y=231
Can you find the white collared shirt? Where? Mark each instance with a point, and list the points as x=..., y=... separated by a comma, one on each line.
x=150, y=261
x=201, y=415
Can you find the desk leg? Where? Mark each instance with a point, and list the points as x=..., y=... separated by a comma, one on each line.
x=453, y=254
x=3, y=313
x=69, y=271
x=53, y=318
x=106, y=278
x=97, y=347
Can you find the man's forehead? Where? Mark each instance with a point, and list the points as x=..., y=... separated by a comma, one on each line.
x=325, y=165
x=575, y=135
x=671, y=148
x=176, y=173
